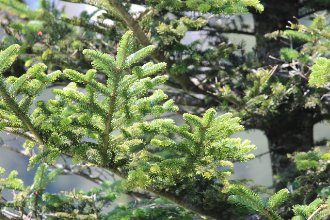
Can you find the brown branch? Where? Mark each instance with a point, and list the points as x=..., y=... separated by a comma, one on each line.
x=230, y=31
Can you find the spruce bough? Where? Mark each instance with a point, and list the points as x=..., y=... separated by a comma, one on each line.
x=118, y=125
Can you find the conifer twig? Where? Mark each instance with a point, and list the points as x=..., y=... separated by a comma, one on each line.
x=109, y=118
x=324, y=206
x=16, y=109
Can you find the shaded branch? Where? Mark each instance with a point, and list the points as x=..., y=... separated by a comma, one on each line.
x=171, y=196
x=230, y=31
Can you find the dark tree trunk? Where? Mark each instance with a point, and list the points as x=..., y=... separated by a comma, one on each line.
x=291, y=130
x=288, y=134
x=275, y=17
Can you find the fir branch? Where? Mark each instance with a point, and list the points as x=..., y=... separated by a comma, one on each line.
x=20, y=114
x=204, y=141
x=109, y=117
x=144, y=41
x=322, y=207
x=171, y=197
x=7, y=57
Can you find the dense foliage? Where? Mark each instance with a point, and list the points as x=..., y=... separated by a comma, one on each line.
x=105, y=125
x=113, y=114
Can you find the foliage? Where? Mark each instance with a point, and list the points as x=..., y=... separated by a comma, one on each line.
x=228, y=6
x=318, y=209
x=320, y=72
x=150, y=209
x=312, y=160
x=65, y=205
x=47, y=35
x=153, y=155
x=313, y=179
x=276, y=99
x=112, y=113
x=246, y=197
x=11, y=182
x=267, y=93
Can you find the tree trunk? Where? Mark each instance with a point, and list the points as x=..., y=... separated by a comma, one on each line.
x=291, y=130
x=288, y=134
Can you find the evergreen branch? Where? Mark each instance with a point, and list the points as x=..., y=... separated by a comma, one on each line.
x=180, y=202
x=18, y=8
x=78, y=77
x=20, y=114
x=320, y=74
x=277, y=199
x=112, y=6
x=123, y=51
x=109, y=116
x=171, y=197
x=324, y=206
x=97, y=4
x=250, y=199
x=205, y=141
x=185, y=83
x=131, y=23
x=7, y=57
